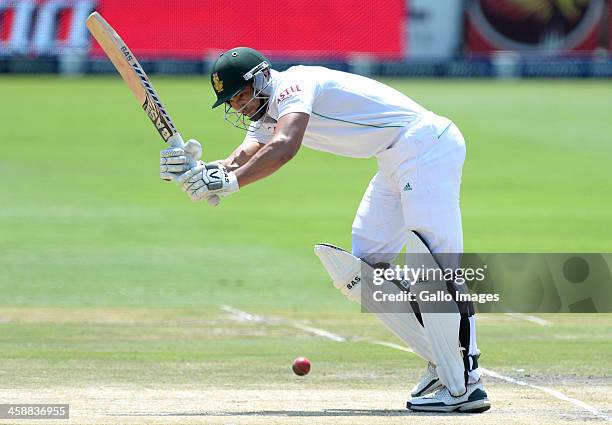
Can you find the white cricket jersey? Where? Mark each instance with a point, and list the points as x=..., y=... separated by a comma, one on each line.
x=350, y=115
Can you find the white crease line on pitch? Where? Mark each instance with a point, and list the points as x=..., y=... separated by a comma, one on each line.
x=532, y=319
x=243, y=316
x=320, y=332
x=550, y=391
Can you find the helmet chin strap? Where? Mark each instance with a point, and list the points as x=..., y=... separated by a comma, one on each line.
x=261, y=80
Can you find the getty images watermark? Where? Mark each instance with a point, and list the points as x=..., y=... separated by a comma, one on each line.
x=522, y=283
x=406, y=276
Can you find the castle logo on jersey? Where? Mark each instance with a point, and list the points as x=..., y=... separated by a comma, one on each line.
x=288, y=92
x=217, y=83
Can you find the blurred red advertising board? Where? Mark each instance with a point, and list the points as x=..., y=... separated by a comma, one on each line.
x=312, y=28
x=197, y=28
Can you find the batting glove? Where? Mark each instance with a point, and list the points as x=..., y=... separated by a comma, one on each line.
x=175, y=161
x=208, y=179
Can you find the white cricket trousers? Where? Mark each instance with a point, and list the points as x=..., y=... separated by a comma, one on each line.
x=416, y=189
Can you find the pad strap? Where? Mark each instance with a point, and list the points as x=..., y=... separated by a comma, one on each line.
x=474, y=362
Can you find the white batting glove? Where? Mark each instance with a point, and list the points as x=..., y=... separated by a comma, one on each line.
x=206, y=180
x=175, y=161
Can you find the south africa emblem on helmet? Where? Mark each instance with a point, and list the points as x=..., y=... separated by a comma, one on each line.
x=217, y=83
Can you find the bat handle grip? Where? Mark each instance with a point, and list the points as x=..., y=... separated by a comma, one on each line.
x=176, y=141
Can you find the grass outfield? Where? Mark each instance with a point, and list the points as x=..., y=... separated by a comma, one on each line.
x=112, y=280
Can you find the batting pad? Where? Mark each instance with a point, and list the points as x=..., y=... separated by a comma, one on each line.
x=437, y=340
x=441, y=319
x=346, y=271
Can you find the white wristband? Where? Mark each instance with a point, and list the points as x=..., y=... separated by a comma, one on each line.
x=233, y=182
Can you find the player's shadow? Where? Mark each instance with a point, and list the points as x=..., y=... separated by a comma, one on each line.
x=297, y=413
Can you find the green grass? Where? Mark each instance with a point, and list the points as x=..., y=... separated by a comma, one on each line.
x=86, y=223
x=192, y=348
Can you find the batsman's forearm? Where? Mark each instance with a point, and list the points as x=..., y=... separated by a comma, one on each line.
x=241, y=155
x=266, y=161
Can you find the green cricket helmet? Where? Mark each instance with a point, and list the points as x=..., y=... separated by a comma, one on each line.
x=233, y=70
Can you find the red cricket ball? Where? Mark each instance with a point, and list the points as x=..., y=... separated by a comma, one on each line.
x=301, y=366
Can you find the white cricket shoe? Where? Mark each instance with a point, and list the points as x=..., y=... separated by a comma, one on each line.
x=473, y=401
x=429, y=382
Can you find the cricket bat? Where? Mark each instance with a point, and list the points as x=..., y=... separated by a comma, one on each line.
x=137, y=80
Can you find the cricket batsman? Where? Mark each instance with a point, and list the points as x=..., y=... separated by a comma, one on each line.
x=413, y=198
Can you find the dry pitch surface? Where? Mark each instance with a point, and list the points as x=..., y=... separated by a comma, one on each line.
x=511, y=405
